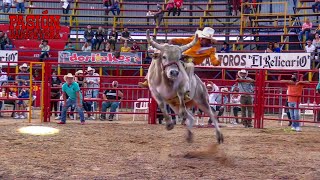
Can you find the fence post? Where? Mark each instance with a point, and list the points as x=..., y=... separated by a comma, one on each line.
x=152, y=112
x=46, y=92
x=259, y=98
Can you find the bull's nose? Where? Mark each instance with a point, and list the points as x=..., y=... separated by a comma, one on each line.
x=174, y=73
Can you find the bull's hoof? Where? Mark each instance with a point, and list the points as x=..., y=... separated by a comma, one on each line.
x=169, y=126
x=189, y=137
x=220, y=138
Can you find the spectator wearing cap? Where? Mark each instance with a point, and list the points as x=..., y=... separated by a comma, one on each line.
x=225, y=48
x=22, y=104
x=125, y=47
x=8, y=4
x=72, y=89
x=316, y=6
x=20, y=6
x=55, y=92
x=88, y=35
x=125, y=35
x=246, y=88
x=45, y=48
x=135, y=47
x=112, y=100
x=235, y=100
x=3, y=77
x=69, y=47
x=92, y=81
x=306, y=28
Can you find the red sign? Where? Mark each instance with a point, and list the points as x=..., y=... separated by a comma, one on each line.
x=35, y=26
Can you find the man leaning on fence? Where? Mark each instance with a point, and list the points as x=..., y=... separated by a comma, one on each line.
x=114, y=96
x=246, y=88
x=295, y=88
x=72, y=89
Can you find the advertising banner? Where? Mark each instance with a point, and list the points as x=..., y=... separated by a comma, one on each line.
x=8, y=56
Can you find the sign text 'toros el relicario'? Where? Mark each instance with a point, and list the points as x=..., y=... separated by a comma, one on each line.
x=34, y=26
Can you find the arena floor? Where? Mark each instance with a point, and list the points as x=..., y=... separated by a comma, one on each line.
x=135, y=150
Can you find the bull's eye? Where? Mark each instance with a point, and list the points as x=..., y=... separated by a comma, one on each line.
x=164, y=57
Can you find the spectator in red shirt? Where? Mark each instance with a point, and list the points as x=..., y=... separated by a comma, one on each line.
x=170, y=6
x=135, y=47
x=178, y=4
x=306, y=28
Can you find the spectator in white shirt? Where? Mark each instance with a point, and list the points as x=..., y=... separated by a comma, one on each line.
x=45, y=48
x=86, y=47
x=8, y=4
x=235, y=100
x=93, y=81
x=3, y=76
x=310, y=48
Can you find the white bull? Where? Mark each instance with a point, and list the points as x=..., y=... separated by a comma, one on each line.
x=170, y=83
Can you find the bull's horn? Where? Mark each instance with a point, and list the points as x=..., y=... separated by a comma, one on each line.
x=152, y=42
x=188, y=46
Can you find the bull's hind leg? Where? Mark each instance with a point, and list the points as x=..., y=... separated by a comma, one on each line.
x=203, y=104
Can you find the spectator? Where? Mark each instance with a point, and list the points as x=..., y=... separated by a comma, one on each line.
x=66, y=8
x=87, y=104
x=316, y=6
x=225, y=48
x=270, y=47
x=135, y=47
x=7, y=3
x=12, y=95
x=158, y=15
x=107, y=6
x=316, y=42
x=287, y=111
x=115, y=6
x=318, y=110
x=55, y=93
x=86, y=47
x=125, y=35
x=23, y=76
x=2, y=42
x=125, y=47
x=170, y=6
x=3, y=77
x=246, y=88
x=113, y=38
x=88, y=35
x=20, y=6
x=107, y=47
x=178, y=4
x=69, y=47
x=7, y=45
x=235, y=100
x=306, y=28
x=295, y=88
x=100, y=34
x=310, y=48
x=22, y=104
x=79, y=78
x=93, y=81
x=276, y=48
x=45, y=48
x=71, y=89
x=114, y=96
x=214, y=98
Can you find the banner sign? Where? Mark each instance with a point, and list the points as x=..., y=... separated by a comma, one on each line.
x=8, y=56
x=75, y=58
x=35, y=26
x=293, y=61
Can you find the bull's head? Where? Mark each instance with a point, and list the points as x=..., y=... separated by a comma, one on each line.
x=170, y=55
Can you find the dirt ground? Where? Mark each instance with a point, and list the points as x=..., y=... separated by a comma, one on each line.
x=135, y=150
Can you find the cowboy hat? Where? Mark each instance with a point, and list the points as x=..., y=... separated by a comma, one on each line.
x=206, y=33
x=78, y=72
x=243, y=71
x=224, y=90
x=91, y=69
x=24, y=65
x=69, y=75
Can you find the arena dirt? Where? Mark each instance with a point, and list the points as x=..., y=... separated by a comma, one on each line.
x=135, y=150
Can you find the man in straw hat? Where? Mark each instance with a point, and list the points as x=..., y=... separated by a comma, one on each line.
x=92, y=81
x=23, y=76
x=199, y=52
x=246, y=88
x=72, y=89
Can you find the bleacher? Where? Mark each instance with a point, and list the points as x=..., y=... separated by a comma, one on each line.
x=281, y=25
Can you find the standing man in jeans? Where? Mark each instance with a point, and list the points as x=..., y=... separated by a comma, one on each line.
x=92, y=81
x=72, y=89
x=246, y=88
x=295, y=88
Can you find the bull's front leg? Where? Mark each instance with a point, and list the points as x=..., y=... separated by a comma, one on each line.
x=182, y=106
x=162, y=107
